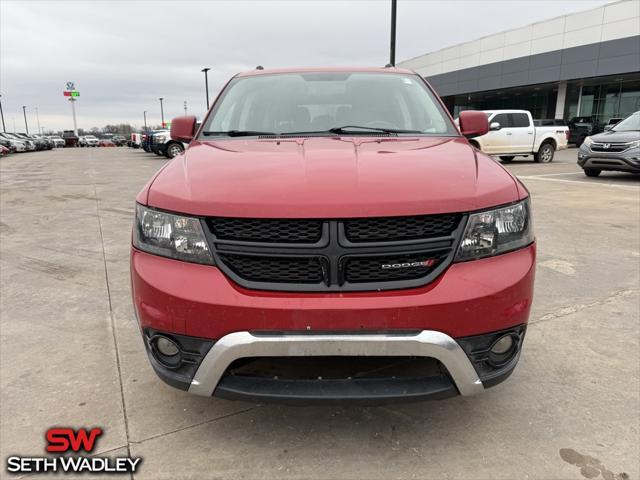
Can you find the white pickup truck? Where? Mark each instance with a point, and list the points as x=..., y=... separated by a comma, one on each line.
x=513, y=133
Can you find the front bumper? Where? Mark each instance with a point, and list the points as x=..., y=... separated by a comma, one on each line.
x=469, y=300
x=627, y=161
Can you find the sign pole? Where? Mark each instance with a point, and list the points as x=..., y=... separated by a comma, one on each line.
x=73, y=111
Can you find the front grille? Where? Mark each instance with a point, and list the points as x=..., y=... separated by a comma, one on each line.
x=275, y=269
x=266, y=230
x=400, y=228
x=334, y=255
x=393, y=267
x=609, y=147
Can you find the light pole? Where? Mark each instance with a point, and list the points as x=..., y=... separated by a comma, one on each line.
x=38, y=119
x=161, y=111
x=392, y=53
x=145, y=121
x=206, y=83
x=4, y=128
x=24, y=112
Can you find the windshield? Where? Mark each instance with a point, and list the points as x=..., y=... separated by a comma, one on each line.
x=629, y=124
x=379, y=103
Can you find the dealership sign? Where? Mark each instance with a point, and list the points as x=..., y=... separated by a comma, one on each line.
x=70, y=90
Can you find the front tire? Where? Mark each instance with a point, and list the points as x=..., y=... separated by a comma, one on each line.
x=507, y=158
x=592, y=172
x=173, y=150
x=545, y=153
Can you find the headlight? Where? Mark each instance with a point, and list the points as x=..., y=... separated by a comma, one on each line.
x=635, y=144
x=496, y=231
x=161, y=138
x=587, y=141
x=169, y=235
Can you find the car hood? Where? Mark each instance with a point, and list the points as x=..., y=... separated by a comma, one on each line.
x=616, y=137
x=332, y=177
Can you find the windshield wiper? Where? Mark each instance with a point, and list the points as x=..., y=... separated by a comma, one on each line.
x=240, y=133
x=350, y=128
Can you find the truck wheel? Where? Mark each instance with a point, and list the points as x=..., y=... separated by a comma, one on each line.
x=507, y=158
x=592, y=172
x=545, y=153
x=173, y=150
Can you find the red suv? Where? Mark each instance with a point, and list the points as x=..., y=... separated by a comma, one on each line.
x=331, y=235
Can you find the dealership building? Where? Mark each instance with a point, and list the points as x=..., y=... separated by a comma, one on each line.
x=583, y=64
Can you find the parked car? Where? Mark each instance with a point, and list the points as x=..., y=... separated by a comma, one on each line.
x=147, y=139
x=163, y=144
x=4, y=150
x=88, y=141
x=119, y=140
x=336, y=238
x=513, y=133
x=18, y=145
x=30, y=146
x=58, y=141
x=105, y=143
x=135, y=141
x=70, y=138
x=39, y=143
x=581, y=127
x=10, y=145
x=617, y=149
x=50, y=143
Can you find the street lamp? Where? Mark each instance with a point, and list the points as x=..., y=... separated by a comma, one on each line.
x=392, y=53
x=24, y=112
x=145, y=121
x=206, y=83
x=4, y=128
x=38, y=119
x=161, y=111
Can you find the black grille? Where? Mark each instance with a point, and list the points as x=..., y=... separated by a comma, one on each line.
x=400, y=228
x=318, y=255
x=612, y=147
x=389, y=268
x=266, y=230
x=275, y=269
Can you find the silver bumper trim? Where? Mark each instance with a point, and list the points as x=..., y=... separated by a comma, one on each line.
x=428, y=343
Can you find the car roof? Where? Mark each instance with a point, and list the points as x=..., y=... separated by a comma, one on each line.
x=271, y=71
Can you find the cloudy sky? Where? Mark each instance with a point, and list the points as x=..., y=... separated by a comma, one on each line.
x=124, y=55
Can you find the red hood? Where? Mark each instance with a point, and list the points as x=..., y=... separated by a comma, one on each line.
x=331, y=178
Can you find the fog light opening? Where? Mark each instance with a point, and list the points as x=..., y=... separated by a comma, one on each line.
x=166, y=351
x=503, y=349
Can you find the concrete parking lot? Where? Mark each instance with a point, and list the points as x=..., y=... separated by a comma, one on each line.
x=71, y=353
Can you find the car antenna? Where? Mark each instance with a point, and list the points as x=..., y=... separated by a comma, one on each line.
x=259, y=67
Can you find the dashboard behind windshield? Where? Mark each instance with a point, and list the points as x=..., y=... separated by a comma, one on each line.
x=293, y=103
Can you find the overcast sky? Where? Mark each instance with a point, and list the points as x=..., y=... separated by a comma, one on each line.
x=123, y=55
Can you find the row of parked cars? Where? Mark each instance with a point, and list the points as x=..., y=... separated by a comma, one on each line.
x=93, y=141
x=23, y=142
x=158, y=142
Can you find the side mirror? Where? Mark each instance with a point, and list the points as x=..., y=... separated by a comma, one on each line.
x=183, y=128
x=608, y=127
x=473, y=123
x=495, y=126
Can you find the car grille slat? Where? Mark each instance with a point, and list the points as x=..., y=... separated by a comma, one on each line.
x=266, y=230
x=319, y=255
x=609, y=147
x=275, y=269
x=387, y=229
